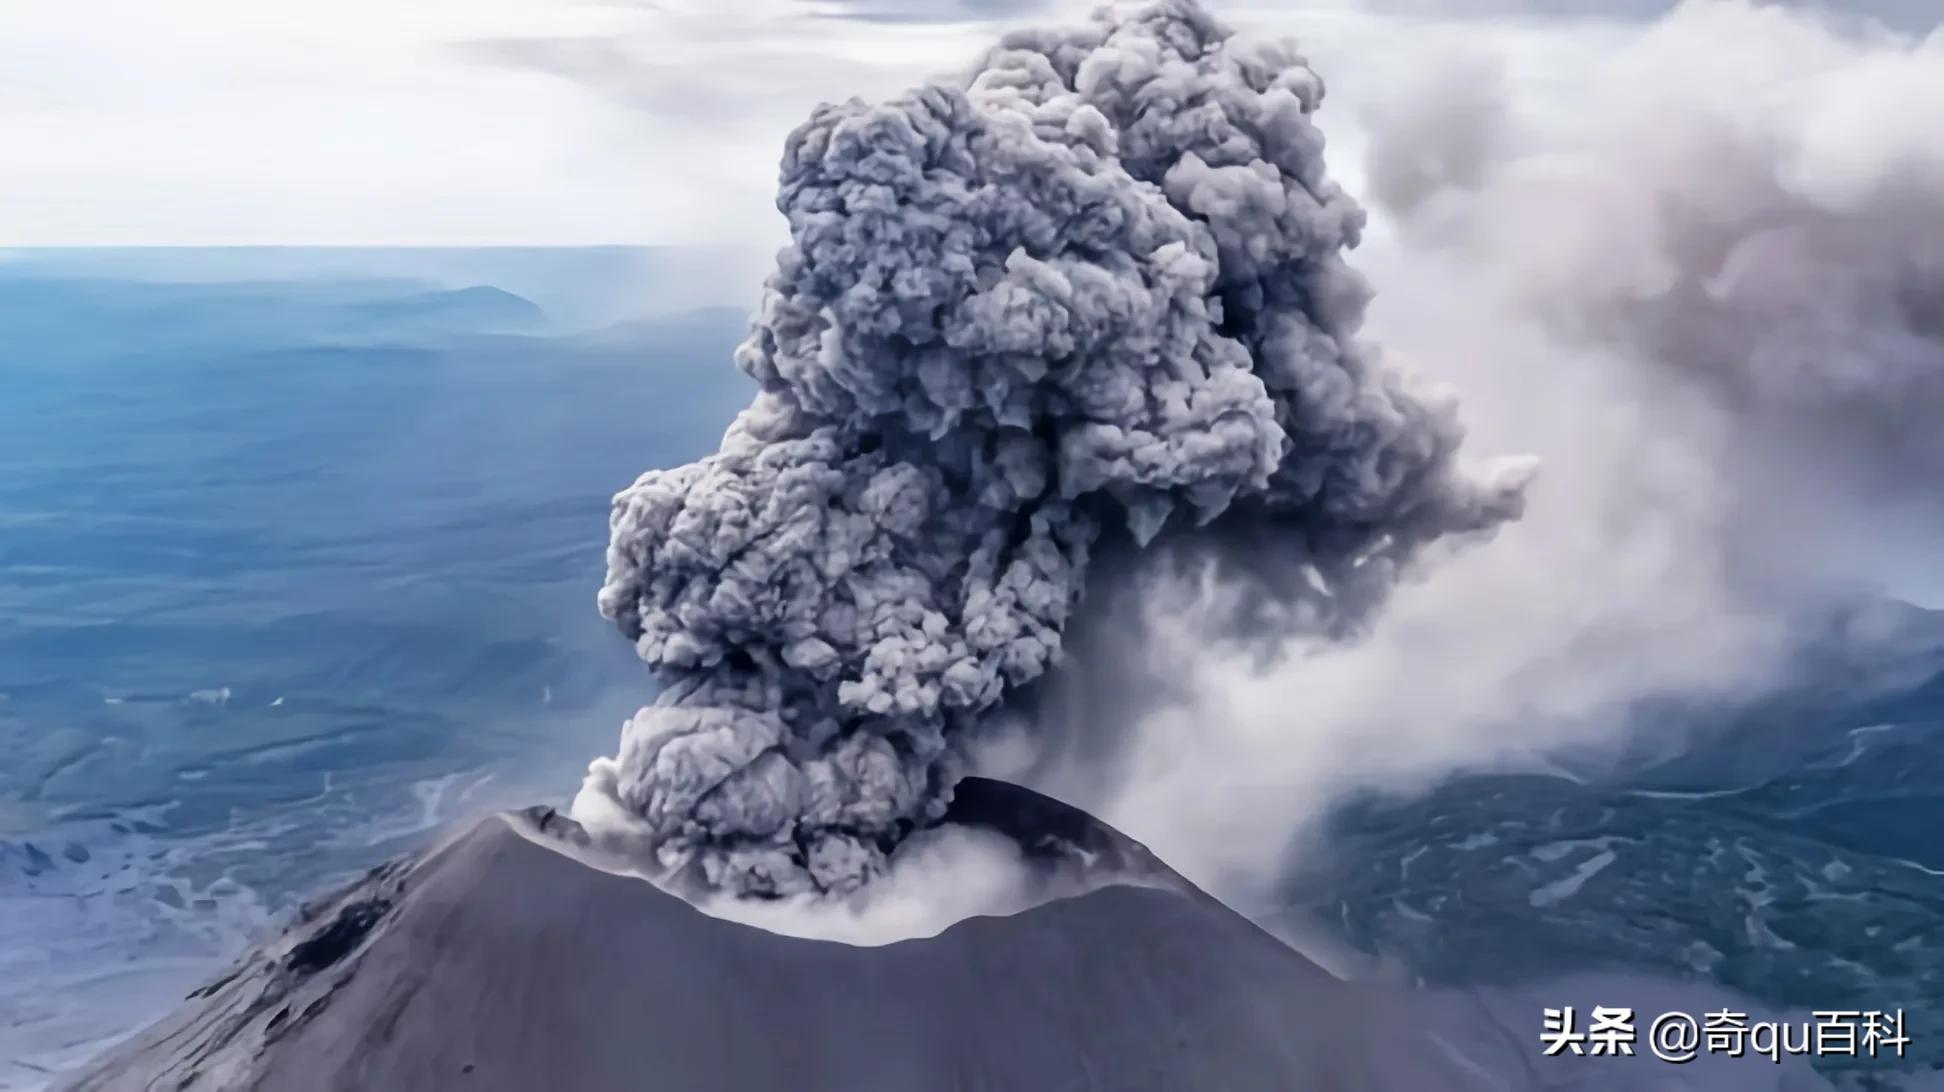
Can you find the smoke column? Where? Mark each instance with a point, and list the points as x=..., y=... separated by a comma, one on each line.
x=1094, y=294
x=1697, y=266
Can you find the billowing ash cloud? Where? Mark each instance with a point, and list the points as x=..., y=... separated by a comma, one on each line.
x=1096, y=293
x=1694, y=266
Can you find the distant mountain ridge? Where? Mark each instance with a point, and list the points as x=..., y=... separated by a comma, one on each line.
x=55, y=318
x=480, y=309
x=580, y=288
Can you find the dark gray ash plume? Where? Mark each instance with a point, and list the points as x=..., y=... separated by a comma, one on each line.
x=1096, y=290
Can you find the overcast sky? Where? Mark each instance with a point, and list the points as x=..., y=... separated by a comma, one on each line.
x=540, y=121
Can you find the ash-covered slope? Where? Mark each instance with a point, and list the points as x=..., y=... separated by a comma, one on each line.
x=502, y=962
x=496, y=962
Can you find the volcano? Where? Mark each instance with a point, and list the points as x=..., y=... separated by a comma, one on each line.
x=506, y=959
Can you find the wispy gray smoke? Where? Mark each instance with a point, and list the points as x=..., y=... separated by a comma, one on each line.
x=1098, y=290
x=1685, y=263
x=1750, y=203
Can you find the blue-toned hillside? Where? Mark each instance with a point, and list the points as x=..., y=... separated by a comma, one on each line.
x=1790, y=851
x=291, y=571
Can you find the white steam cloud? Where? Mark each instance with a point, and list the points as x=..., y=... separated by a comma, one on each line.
x=1697, y=266
x=1092, y=296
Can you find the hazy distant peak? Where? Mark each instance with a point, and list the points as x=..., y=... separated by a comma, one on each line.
x=479, y=307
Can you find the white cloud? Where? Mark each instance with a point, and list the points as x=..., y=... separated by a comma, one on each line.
x=449, y=121
x=214, y=122
x=231, y=123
